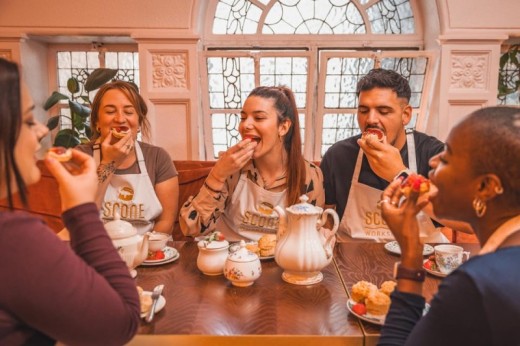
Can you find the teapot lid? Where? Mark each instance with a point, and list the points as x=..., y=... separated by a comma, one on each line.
x=304, y=207
x=242, y=254
x=118, y=229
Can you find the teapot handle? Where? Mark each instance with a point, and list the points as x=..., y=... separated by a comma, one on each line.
x=322, y=221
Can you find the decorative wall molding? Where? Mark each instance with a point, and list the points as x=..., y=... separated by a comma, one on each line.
x=469, y=70
x=170, y=70
x=6, y=54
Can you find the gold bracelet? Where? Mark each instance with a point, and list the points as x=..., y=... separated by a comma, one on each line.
x=210, y=188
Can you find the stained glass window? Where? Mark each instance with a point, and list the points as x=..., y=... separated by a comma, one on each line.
x=277, y=31
x=304, y=17
x=79, y=64
x=509, y=78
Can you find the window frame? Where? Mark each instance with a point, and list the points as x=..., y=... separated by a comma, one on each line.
x=317, y=47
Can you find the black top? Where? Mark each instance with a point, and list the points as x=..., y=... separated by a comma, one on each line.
x=339, y=161
x=477, y=304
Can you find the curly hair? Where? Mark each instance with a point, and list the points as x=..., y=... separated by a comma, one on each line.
x=385, y=79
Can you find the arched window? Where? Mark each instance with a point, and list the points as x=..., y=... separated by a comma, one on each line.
x=318, y=48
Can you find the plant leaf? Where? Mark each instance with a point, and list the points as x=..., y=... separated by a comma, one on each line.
x=73, y=85
x=88, y=132
x=53, y=99
x=53, y=122
x=98, y=77
x=66, y=138
x=82, y=111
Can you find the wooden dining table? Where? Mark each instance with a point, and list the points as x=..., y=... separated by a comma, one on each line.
x=209, y=309
x=371, y=262
x=202, y=309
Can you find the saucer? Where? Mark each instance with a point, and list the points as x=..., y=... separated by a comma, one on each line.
x=170, y=254
x=393, y=247
x=161, y=302
x=375, y=319
x=265, y=258
x=437, y=273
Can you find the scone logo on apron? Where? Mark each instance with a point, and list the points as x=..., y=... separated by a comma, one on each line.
x=261, y=220
x=123, y=206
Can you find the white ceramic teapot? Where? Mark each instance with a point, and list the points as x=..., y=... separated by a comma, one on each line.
x=302, y=251
x=132, y=247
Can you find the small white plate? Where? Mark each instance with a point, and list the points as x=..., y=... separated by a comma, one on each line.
x=379, y=320
x=393, y=247
x=434, y=272
x=265, y=258
x=170, y=254
x=375, y=319
x=161, y=302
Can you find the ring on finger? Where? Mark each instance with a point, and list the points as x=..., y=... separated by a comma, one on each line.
x=381, y=201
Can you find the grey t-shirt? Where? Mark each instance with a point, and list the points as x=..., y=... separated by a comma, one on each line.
x=158, y=162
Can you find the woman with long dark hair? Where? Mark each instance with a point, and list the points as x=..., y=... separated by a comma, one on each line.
x=49, y=291
x=263, y=170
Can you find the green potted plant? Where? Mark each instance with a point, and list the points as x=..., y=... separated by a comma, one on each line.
x=80, y=131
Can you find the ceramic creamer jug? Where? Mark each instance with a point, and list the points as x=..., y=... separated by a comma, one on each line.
x=302, y=251
x=132, y=248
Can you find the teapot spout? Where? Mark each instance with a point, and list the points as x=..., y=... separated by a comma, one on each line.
x=282, y=225
x=142, y=253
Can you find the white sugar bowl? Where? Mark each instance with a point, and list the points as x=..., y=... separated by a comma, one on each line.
x=242, y=267
x=212, y=256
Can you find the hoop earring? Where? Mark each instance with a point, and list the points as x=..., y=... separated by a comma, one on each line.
x=479, y=206
x=499, y=190
x=98, y=129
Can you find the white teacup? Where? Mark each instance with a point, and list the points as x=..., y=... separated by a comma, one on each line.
x=449, y=257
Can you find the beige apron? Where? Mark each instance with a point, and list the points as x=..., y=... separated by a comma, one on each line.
x=362, y=218
x=132, y=196
x=250, y=214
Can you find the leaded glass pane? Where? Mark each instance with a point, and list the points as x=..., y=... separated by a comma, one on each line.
x=81, y=63
x=391, y=17
x=236, y=17
x=230, y=80
x=337, y=127
x=288, y=71
x=341, y=80
x=225, y=131
x=509, y=78
x=313, y=17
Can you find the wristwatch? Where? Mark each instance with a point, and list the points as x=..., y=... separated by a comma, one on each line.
x=404, y=173
x=401, y=272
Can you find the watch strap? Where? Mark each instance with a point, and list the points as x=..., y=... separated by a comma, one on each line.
x=401, y=272
x=404, y=174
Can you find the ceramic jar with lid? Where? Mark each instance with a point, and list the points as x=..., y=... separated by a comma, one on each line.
x=132, y=248
x=242, y=267
x=212, y=256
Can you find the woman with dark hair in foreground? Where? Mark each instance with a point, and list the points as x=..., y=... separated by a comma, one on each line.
x=78, y=295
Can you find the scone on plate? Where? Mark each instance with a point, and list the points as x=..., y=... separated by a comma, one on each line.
x=388, y=287
x=253, y=247
x=361, y=290
x=145, y=300
x=377, y=303
x=267, y=244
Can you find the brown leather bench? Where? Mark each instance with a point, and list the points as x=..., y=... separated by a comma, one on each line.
x=44, y=199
